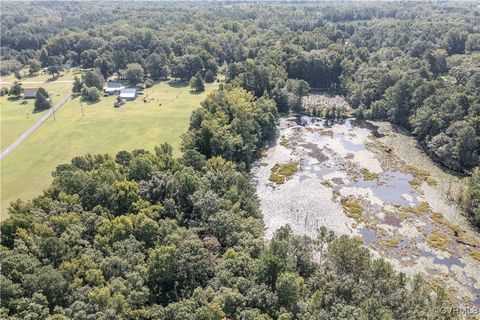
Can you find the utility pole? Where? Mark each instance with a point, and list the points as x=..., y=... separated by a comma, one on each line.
x=81, y=106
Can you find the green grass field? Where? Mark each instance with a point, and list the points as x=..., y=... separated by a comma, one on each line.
x=17, y=117
x=103, y=129
x=68, y=74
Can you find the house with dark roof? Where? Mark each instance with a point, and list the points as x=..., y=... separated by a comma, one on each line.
x=30, y=93
x=128, y=94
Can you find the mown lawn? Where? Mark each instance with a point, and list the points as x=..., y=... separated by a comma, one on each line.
x=103, y=129
x=16, y=117
x=68, y=74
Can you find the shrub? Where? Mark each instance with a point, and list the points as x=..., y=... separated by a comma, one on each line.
x=91, y=94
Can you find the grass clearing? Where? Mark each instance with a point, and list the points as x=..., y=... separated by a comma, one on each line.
x=18, y=115
x=103, y=129
x=68, y=74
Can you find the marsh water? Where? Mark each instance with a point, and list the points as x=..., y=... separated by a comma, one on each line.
x=352, y=180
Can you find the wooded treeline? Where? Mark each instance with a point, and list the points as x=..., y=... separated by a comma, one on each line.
x=143, y=235
x=416, y=65
x=146, y=236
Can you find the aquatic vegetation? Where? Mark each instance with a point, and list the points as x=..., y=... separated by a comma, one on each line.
x=326, y=132
x=353, y=209
x=379, y=145
x=420, y=209
x=420, y=175
x=392, y=243
x=282, y=172
x=368, y=175
x=284, y=142
x=440, y=219
x=475, y=254
x=431, y=182
x=415, y=182
x=438, y=240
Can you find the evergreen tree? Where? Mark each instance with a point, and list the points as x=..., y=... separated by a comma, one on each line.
x=44, y=57
x=41, y=100
x=209, y=76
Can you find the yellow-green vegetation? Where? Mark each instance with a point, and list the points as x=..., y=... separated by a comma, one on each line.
x=439, y=218
x=475, y=254
x=431, y=182
x=284, y=142
x=420, y=209
x=353, y=209
x=415, y=182
x=368, y=175
x=103, y=129
x=392, y=243
x=282, y=172
x=379, y=145
x=438, y=240
x=326, y=132
x=420, y=174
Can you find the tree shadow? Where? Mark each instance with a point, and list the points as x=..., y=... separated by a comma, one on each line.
x=194, y=92
x=37, y=110
x=89, y=103
x=178, y=84
x=13, y=98
x=54, y=78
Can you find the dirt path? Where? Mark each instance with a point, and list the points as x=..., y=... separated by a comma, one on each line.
x=34, y=127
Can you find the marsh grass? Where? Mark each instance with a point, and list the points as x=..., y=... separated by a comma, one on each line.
x=353, y=209
x=282, y=172
x=368, y=175
x=438, y=240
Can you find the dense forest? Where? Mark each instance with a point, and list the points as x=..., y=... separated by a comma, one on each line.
x=144, y=235
x=416, y=65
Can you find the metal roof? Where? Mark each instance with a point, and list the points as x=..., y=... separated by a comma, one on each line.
x=114, y=85
x=30, y=91
x=128, y=92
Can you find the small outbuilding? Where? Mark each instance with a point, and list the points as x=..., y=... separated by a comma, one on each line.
x=128, y=94
x=30, y=93
x=113, y=88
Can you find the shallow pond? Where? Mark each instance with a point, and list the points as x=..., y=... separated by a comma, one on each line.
x=351, y=180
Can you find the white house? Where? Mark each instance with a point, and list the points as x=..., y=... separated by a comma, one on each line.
x=128, y=94
x=113, y=88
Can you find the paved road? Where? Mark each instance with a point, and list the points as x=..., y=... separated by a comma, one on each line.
x=37, y=82
x=34, y=127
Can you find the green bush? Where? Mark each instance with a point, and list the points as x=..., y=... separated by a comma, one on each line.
x=91, y=94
